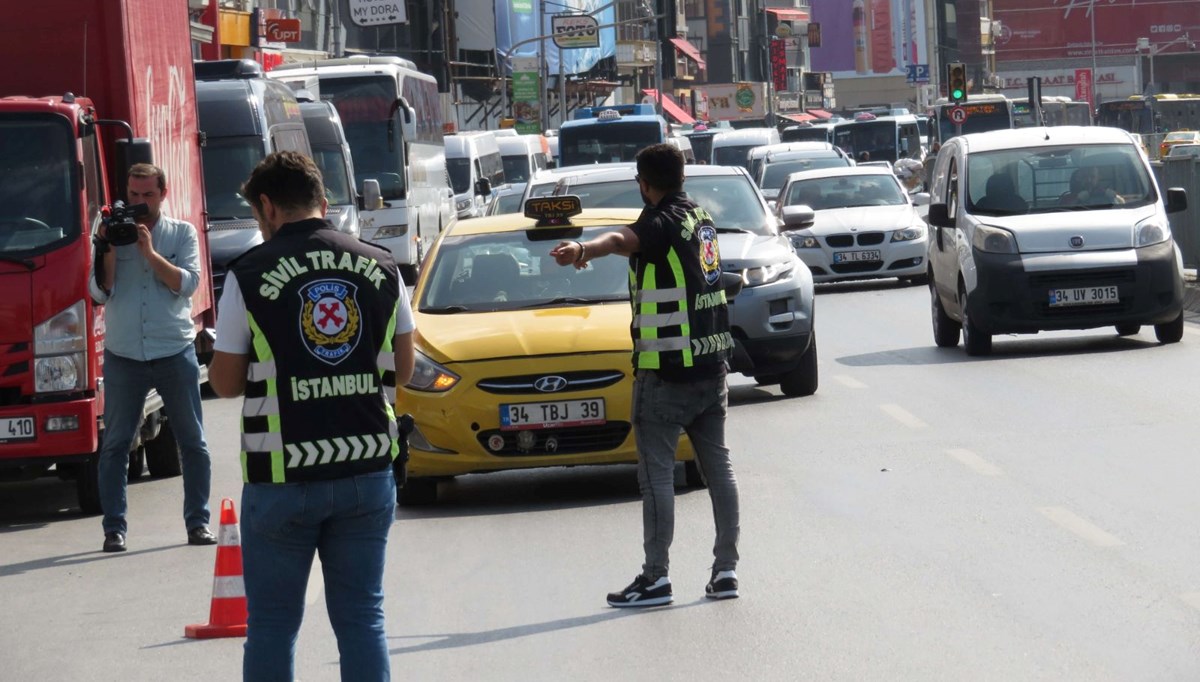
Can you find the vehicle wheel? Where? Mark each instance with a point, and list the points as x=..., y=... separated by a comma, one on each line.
x=692, y=477
x=1171, y=332
x=87, y=484
x=410, y=273
x=417, y=492
x=945, y=329
x=768, y=379
x=918, y=280
x=975, y=341
x=162, y=454
x=1128, y=329
x=137, y=463
x=802, y=381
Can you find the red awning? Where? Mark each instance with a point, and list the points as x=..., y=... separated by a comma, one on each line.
x=690, y=50
x=820, y=113
x=788, y=14
x=671, y=108
x=799, y=118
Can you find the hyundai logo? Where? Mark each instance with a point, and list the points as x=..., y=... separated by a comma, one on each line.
x=1076, y=242
x=550, y=384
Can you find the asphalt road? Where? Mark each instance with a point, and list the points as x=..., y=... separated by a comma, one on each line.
x=925, y=516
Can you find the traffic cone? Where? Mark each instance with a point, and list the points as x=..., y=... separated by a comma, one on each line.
x=227, y=617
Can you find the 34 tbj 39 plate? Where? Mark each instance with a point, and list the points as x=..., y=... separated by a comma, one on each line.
x=560, y=413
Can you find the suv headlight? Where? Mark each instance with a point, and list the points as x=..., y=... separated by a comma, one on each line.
x=994, y=240
x=755, y=277
x=908, y=234
x=59, y=363
x=463, y=204
x=1151, y=231
x=390, y=231
x=803, y=241
x=430, y=376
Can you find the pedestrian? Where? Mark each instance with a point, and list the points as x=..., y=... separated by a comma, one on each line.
x=146, y=288
x=315, y=329
x=930, y=161
x=864, y=157
x=681, y=342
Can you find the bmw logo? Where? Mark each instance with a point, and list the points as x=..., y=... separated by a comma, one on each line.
x=550, y=384
x=1076, y=242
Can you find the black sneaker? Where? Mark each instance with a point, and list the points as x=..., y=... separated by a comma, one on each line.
x=723, y=585
x=643, y=592
x=114, y=542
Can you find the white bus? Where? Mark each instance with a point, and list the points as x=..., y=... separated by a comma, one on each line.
x=883, y=138
x=393, y=120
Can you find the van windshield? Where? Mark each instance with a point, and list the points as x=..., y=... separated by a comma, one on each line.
x=1048, y=179
x=228, y=161
x=516, y=168
x=38, y=196
x=333, y=171
x=364, y=104
x=460, y=174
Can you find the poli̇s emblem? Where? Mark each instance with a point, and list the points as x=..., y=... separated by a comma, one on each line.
x=710, y=254
x=329, y=319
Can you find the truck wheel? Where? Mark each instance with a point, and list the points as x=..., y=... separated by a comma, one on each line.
x=1128, y=329
x=976, y=342
x=945, y=329
x=137, y=462
x=417, y=492
x=162, y=454
x=87, y=484
x=802, y=381
x=1171, y=332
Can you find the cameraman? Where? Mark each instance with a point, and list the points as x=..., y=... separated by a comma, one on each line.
x=146, y=288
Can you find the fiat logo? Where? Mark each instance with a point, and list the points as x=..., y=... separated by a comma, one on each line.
x=1077, y=242
x=550, y=384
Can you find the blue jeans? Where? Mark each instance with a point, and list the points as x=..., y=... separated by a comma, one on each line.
x=346, y=521
x=126, y=383
x=662, y=410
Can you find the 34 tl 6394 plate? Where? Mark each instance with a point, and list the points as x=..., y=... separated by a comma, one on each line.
x=16, y=428
x=548, y=415
x=857, y=256
x=1083, y=296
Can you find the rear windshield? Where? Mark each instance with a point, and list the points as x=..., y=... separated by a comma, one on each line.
x=846, y=191
x=775, y=174
x=732, y=200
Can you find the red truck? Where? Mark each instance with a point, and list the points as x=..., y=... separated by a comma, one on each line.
x=88, y=88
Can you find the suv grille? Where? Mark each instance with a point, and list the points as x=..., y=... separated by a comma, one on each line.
x=841, y=241
x=589, y=380
x=567, y=441
x=1058, y=280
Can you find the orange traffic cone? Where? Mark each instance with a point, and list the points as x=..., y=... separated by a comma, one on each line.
x=227, y=618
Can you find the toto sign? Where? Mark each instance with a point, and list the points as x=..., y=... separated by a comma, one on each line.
x=283, y=30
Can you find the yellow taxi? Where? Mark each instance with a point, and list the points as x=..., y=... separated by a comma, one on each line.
x=521, y=363
x=1177, y=137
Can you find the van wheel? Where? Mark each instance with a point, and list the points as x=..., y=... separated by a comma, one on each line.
x=945, y=329
x=975, y=341
x=417, y=492
x=917, y=280
x=410, y=273
x=802, y=381
x=1128, y=329
x=1171, y=332
x=87, y=482
x=162, y=454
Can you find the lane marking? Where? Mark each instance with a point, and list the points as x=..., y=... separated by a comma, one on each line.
x=848, y=381
x=316, y=583
x=975, y=462
x=1080, y=526
x=1192, y=599
x=903, y=416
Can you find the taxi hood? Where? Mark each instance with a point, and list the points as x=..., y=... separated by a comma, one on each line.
x=468, y=337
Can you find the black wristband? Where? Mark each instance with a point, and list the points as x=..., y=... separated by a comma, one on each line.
x=582, y=250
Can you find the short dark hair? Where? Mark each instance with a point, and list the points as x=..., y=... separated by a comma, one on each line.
x=661, y=166
x=149, y=170
x=290, y=179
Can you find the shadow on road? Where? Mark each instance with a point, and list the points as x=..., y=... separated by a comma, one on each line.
x=27, y=505
x=76, y=559
x=1004, y=347
x=857, y=286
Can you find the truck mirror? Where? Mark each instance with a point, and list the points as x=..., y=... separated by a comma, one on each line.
x=483, y=187
x=939, y=216
x=798, y=217
x=1176, y=200
x=372, y=198
x=128, y=153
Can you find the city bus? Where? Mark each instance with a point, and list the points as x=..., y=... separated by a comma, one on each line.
x=1149, y=115
x=984, y=113
x=610, y=134
x=1056, y=111
x=885, y=138
x=392, y=116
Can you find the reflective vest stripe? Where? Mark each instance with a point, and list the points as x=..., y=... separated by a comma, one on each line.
x=675, y=319
x=326, y=450
x=260, y=407
x=261, y=371
x=387, y=360
x=685, y=329
x=269, y=442
x=660, y=295
x=262, y=442
x=660, y=345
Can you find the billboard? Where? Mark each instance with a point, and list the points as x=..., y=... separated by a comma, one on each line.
x=863, y=38
x=1062, y=29
x=521, y=20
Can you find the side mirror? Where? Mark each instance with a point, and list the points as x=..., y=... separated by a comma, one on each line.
x=1176, y=200
x=731, y=282
x=798, y=217
x=372, y=198
x=939, y=216
x=483, y=187
x=921, y=199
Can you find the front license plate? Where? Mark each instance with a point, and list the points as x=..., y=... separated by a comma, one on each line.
x=1083, y=296
x=16, y=428
x=586, y=412
x=856, y=256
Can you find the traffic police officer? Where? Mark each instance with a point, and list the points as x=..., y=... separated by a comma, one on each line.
x=681, y=341
x=315, y=329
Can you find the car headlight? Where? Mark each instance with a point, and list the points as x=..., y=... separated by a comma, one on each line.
x=908, y=234
x=1151, y=231
x=430, y=376
x=754, y=277
x=804, y=241
x=58, y=349
x=390, y=231
x=463, y=204
x=994, y=240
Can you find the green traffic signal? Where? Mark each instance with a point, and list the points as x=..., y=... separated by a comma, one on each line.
x=956, y=94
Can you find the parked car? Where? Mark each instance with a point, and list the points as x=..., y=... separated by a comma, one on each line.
x=1176, y=138
x=1184, y=150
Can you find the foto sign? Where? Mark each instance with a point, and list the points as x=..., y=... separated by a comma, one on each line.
x=575, y=31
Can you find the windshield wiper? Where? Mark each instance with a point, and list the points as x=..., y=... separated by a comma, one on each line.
x=577, y=300
x=445, y=310
x=27, y=262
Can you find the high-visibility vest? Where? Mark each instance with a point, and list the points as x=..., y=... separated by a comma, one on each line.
x=321, y=307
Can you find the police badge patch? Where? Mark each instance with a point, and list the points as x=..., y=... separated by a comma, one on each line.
x=710, y=254
x=329, y=319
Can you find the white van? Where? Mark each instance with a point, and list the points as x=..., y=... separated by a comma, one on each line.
x=523, y=156
x=1051, y=228
x=684, y=145
x=476, y=170
x=732, y=147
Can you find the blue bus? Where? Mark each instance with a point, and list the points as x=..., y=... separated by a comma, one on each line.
x=609, y=134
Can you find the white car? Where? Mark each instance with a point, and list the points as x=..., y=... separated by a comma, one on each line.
x=864, y=225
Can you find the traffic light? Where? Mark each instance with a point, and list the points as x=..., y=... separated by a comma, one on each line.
x=956, y=82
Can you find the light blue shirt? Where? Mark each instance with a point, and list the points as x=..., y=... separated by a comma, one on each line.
x=143, y=318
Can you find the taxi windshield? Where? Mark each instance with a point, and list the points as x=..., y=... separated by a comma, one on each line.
x=509, y=271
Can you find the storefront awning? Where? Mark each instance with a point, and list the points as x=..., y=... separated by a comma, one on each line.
x=788, y=14
x=799, y=118
x=690, y=50
x=820, y=113
x=671, y=108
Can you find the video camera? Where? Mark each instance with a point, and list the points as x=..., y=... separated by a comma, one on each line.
x=120, y=223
